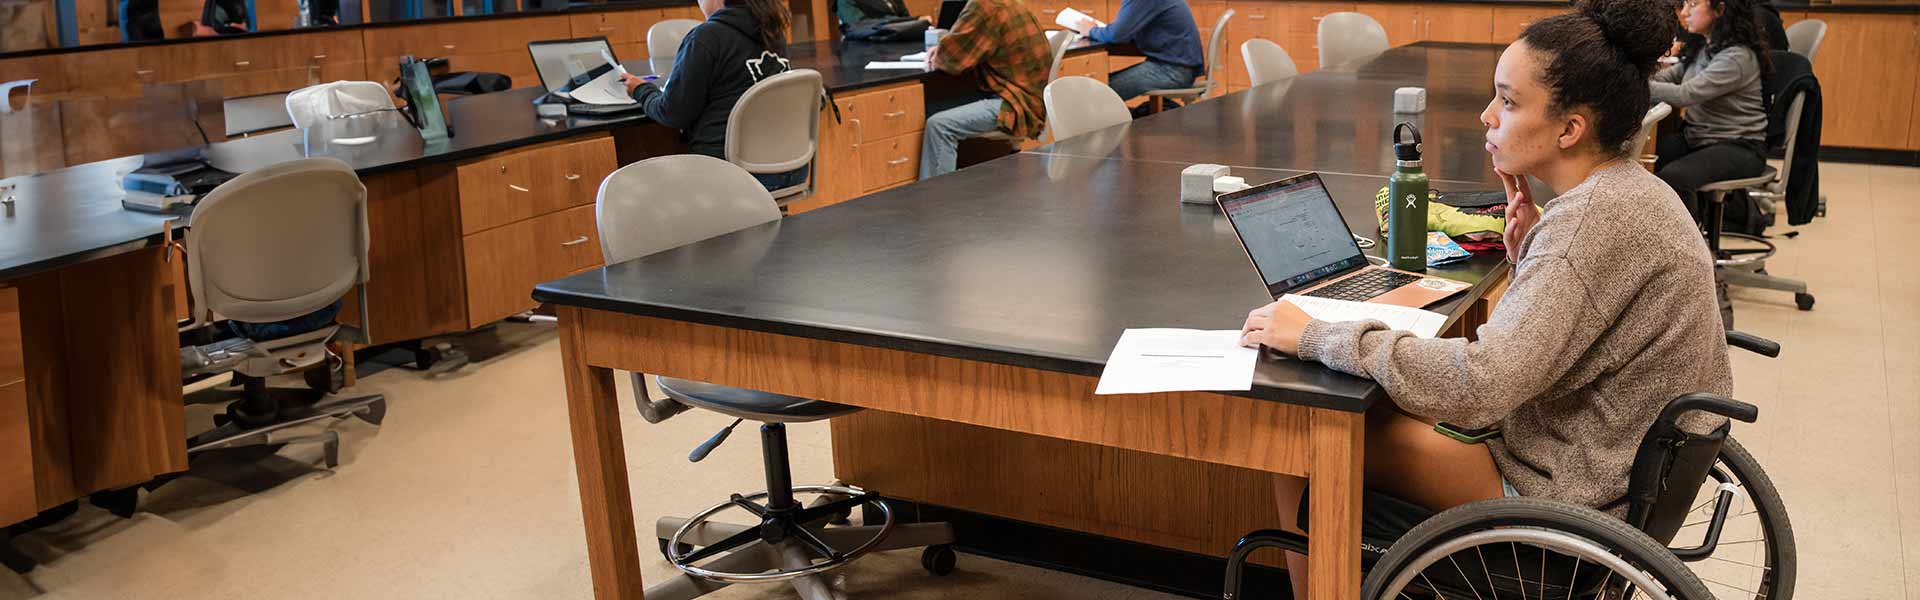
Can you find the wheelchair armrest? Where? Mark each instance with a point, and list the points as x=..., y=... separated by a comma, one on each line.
x=1713, y=403
x=1753, y=343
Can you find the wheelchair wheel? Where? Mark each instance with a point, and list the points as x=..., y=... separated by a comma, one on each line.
x=1528, y=547
x=1755, y=556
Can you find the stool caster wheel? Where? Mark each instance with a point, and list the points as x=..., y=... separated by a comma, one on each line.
x=683, y=549
x=1803, y=300
x=939, y=560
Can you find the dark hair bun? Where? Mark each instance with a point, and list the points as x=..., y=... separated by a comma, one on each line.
x=1641, y=30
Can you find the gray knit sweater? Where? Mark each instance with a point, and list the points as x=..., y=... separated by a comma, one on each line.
x=1610, y=314
x=1721, y=93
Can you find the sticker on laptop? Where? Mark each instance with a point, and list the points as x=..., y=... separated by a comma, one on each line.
x=1442, y=285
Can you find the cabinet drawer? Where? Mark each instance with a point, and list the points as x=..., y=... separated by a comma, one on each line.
x=624, y=27
x=890, y=161
x=569, y=175
x=12, y=352
x=495, y=191
x=890, y=112
x=569, y=243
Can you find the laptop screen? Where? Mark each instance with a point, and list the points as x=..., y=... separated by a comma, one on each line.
x=1292, y=231
x=560, y=61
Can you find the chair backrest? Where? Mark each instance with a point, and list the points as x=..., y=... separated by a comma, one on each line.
x=775, y=126
x=279, y=242
x=1672, y=463
x=7, y=88
x=1794, y=107
x=663, y=38
x=1267, y=62
x=666, y=202
x=1349, y=36
x=315, y=103
x=1060, y=41
x=1659, y=111
x=1077, y=105
x=1216, y=45
x=1804, y=37
x=252, y=114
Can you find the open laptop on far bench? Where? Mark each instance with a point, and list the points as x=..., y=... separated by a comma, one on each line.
x=1293, y=233
x=567, y=64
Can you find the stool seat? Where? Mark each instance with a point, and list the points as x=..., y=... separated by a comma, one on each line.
x=752, y=405
x=1195, y=91
x=1729, y=185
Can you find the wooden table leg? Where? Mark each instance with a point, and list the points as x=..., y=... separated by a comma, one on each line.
x=1333, y=546
x=600, y=463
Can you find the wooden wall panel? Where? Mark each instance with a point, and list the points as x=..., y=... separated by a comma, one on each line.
x=1868, y=99
x=17, y=497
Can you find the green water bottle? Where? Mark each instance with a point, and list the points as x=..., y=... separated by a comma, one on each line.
x=1407, y=204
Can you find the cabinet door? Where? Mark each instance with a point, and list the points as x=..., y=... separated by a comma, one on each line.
x=1405, y=23
x=502, y=266
x=837, y=168
x=13, y=355
x=18, y=501
x=1457, y=23
x=891, y=112
x=495, y=191
x=1251, y=20
x=891, y=162
x=1509, y=21
x=1865, y=89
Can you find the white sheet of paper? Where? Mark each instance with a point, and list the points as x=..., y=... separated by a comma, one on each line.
x=605, y=89
x=882, y=65
x=920, y=56
x=1070, y=19
x=1178, y=360
x=1423, y=323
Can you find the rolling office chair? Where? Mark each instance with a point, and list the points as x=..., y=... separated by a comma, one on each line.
x=1637, y=144
x=1744, y=263
x=276, y=246
x=1804, y=37
x=1208, y=80
x=665, y=202
x=1349, y=36
x=775, y=128
x=315, y=103
x=1266, y=61
x=1077, y=105
x=663, y=38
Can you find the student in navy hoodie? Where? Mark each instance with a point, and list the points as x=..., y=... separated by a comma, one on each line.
x=742, y=42
x=1164, y=31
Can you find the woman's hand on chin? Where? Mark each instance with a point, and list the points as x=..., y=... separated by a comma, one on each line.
x=1277, y=326
x=1522, y=214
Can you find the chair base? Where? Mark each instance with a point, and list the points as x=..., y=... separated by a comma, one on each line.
x=372, y=409
x=791, y=554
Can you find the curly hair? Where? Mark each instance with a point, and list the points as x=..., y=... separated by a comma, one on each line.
x=1599, y=57
x=1737, y=25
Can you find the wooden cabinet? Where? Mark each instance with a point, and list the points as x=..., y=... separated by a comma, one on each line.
x=17, y=501
x=1251, y=20
x=526, y=217
x=1509, y=21
x=875, y=144
x=13, y=362
x=1867, y=77
x=1409, y=23
x=1092, y=65
x=497, y=45
x=623, y=27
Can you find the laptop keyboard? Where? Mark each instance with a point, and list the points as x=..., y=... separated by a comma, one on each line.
x=1365, y=285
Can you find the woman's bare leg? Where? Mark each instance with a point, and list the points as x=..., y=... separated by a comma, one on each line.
x=1406, y=459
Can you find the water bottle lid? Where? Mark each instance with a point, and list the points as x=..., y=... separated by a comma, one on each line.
x=1406, y=150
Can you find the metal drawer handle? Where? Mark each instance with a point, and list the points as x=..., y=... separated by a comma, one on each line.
x=605, y=28
x=898, y=161
x=894, y=114
x=242, y=63
x=319, y=57
x=1316, y=18
x=581, y=240
x=517, y=188
x=1050, y=11
x=573, y=177
x=446, y=46
x=1257, y=18
x=143, y=72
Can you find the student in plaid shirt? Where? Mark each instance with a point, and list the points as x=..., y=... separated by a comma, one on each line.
x=1000, y=43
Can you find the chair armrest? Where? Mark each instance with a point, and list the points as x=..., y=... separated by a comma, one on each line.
x=1753, y=343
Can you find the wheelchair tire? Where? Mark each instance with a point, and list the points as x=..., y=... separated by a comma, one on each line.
x=1573, y=534
x=1780, y=552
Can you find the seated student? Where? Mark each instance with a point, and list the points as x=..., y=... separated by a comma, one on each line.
x=1003, y=47
x=221, y=17
x=855, y=11
x=1724, y=133
x=742, y=42
x=1609, y=315
x=1164, y=31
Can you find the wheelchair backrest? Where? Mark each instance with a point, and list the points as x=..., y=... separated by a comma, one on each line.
x=1672, y=462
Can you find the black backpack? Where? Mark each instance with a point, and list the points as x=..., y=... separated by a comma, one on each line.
x=888, y=29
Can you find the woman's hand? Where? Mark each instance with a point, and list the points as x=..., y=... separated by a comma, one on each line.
x=1277, y=326
x=632, y=81
x=1522, y=215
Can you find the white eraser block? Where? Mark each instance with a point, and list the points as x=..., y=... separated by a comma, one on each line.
x=1196, y=182
x=1410, y=100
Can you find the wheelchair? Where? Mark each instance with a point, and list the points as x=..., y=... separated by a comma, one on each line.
x=1703, y=492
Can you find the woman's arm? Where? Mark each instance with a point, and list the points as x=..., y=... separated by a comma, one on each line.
x=1532, y=339
x=1729, y=71
x=685, y=96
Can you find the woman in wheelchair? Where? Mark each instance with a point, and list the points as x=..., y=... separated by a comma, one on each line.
x=1610, y=313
